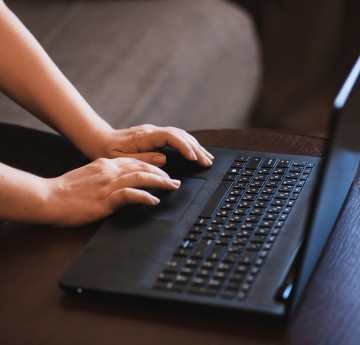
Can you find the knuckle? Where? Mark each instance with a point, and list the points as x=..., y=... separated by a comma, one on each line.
x=145, y=129
x=144, y=167
x=127, y=160
x=148, y=127
x=106, y=166
x=173, y=129
x=176, y=131
x=124, y=194
x=101, y=162
x=137, y=176
x=129, y=195
x=140, y=133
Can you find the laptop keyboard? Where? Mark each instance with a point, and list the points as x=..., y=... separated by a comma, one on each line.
x=224, y=250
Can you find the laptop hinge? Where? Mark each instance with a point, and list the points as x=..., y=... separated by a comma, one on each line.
x=283, y=292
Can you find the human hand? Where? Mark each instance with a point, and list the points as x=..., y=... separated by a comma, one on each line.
x=141, y=142
x=96, y=190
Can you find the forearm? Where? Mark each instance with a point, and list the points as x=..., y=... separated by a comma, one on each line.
x=23, y=196
x=29, y=76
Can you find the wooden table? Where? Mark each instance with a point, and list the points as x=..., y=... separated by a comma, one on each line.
x=34, y=310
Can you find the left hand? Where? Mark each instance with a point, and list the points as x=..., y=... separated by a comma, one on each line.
x=141, y=142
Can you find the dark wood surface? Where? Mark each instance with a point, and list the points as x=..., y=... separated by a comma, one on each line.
x=34, y=310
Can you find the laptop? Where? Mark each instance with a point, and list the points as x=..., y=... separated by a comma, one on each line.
x=244, y=235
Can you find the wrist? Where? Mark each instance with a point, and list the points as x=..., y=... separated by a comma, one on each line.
x=24, y=197
x=94, y=142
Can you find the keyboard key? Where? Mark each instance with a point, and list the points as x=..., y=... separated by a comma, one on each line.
x=264, y=171
x=300, y=164
x=187, y=271
x=283, y=163
x=230, y=177
x=198, y=281
x=269, y=162
x=263, y=231
x=289, y=182
x=254, y=163
x=235, y=171
x=282, y=195
x=242, y=158
x=238, y=165
x=223, y=267
x=293, y=175
x=230, y=240
x=258, y=239
x=257, y=211
x=202, y=221
x=273, y=183
x=265, y=197
x=285, y=188
x=173, y=265
x=216, y=252
x=165, y=277
x=241, y=295
x=254, y=247
x=295, y=168
x=180, y=279
x=202, y=248
x=211, y=207
x=237, y=278
x=257, y=183
x=248, y=172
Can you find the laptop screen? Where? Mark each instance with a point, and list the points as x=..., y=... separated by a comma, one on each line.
x=339, y=168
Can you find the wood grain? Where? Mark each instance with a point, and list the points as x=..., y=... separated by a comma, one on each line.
x=34, y=310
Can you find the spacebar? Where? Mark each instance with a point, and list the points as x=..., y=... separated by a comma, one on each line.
x=218, y=196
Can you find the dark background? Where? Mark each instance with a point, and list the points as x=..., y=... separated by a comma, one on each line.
x=308, y=48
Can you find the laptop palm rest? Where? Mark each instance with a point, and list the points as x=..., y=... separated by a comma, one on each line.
x=174, y=204
x=141, y=236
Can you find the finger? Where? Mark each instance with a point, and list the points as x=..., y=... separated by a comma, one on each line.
x=134, y=165
x=199, y=146
x=121, y=196
x=204, y=157
x=180, y=140
x=127, y=196
x=140, y=179
x=188, y=146
x=153, y=158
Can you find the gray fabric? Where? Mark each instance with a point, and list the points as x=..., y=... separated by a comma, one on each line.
x=194, y=64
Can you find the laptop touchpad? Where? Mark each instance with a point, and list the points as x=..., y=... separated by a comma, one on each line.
x=173, y=204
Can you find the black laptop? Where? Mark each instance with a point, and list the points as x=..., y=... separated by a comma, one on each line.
x=244, y=235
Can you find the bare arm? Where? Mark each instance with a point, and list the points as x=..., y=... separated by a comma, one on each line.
x=17, y=188
x=29, y=76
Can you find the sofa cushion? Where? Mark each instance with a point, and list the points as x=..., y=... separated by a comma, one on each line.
x=192, y=64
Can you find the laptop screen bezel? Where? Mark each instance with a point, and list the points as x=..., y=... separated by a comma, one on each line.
x=346, y=104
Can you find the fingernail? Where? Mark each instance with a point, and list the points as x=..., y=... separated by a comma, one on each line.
x=176, y=182
x=158, y=159
x=155, y=200
x=209, y=161
x=193, y=156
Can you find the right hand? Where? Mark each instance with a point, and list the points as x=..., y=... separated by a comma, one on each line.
x=96, y=190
